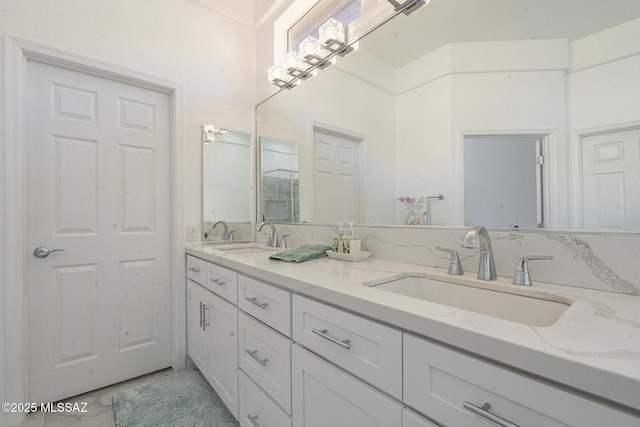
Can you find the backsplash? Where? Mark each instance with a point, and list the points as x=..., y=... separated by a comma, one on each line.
x=243, y=232
x=583, y=259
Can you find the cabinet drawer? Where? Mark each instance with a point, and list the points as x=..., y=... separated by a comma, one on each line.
x=267, y=303
x=412, y=419
x=197, y=270
x=369, y=350
x=438, y=381
x=223, y=282
x=326, y=396
x=265, y=356
x=257, y=409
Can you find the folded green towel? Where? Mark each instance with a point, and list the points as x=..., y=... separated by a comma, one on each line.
x=302, y=253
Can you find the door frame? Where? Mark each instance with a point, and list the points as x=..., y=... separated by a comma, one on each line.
x=14, y=254
x=549, y=189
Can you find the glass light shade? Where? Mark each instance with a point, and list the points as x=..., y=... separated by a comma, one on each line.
x=293, y=64
x=312, y=51
x=332, y=31
x=277, y=75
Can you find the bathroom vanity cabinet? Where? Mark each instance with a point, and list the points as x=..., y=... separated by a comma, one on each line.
x=265, y=353
x=212, y=329
x=453, y=387
x=308, y=363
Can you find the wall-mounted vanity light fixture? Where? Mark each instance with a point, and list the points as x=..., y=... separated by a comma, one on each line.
x=209, y=132
x=408, y=6
x=334, y=37
x=312, y=54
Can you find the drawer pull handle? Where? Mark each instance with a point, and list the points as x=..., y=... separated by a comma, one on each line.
x=254, y=300
x=252, y=420
x=218, y=282
x=254, y=354
x=205, y=322
x=194, y=269
x=201, y=321
x=323, y=333
x=484, y=413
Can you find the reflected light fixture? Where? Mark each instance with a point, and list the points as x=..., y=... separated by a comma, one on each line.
x=209, y=132
x=334, y=37
x=408, y=6
x=293, y=64
x=312, y=54
x=279, y=77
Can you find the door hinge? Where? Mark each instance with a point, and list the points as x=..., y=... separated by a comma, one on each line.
x=539, y=160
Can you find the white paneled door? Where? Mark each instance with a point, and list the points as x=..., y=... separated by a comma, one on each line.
x=335, y=177
x=99, y=305
x=611, y=180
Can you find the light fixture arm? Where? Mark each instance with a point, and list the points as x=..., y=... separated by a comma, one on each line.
x=408, y=6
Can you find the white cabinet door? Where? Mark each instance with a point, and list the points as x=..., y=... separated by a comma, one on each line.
x=197, y=341
x=324, y=395
x=212, y=341
x=221, y=322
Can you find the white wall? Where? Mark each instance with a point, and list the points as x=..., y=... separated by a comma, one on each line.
x=604, y=84
x=211, y=55
x=264, y=51
x=3, y=295
x=488, y=87
x=208, y=54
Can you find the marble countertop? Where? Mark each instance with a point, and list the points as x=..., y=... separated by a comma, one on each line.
x=594, y=347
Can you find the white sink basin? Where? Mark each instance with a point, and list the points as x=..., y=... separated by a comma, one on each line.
x=525, y=306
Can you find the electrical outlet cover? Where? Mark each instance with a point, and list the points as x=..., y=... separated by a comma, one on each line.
x=192, y=233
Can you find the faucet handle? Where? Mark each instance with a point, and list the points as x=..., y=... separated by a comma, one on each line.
x=230, y=237
x=522, y=276
x=267, y=239
x=283, y=241
x=455, y=267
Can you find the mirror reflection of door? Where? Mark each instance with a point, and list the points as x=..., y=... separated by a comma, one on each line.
x=336, y=179
x=279, y=179
x=611, y=180
x=503, y=181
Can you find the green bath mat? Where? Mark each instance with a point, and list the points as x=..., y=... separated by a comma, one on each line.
x=181, y=399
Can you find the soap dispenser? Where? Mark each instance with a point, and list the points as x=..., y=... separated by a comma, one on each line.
x=352, y=243
x=337, y=240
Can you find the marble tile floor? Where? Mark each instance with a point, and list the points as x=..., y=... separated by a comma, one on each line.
x=99, y=412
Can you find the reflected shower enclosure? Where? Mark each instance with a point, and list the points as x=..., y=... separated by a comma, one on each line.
x=279, y=180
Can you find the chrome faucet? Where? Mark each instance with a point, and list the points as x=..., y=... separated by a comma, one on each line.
x=272, y=239
x=227, y=236
x=487, y=267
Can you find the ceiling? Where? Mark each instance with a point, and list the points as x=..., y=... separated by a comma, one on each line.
x=449, y=21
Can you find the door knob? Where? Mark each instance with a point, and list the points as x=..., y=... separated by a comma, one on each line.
x=42, y=252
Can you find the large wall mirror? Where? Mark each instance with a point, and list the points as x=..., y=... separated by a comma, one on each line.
x=226, y=178
x=468, y=111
